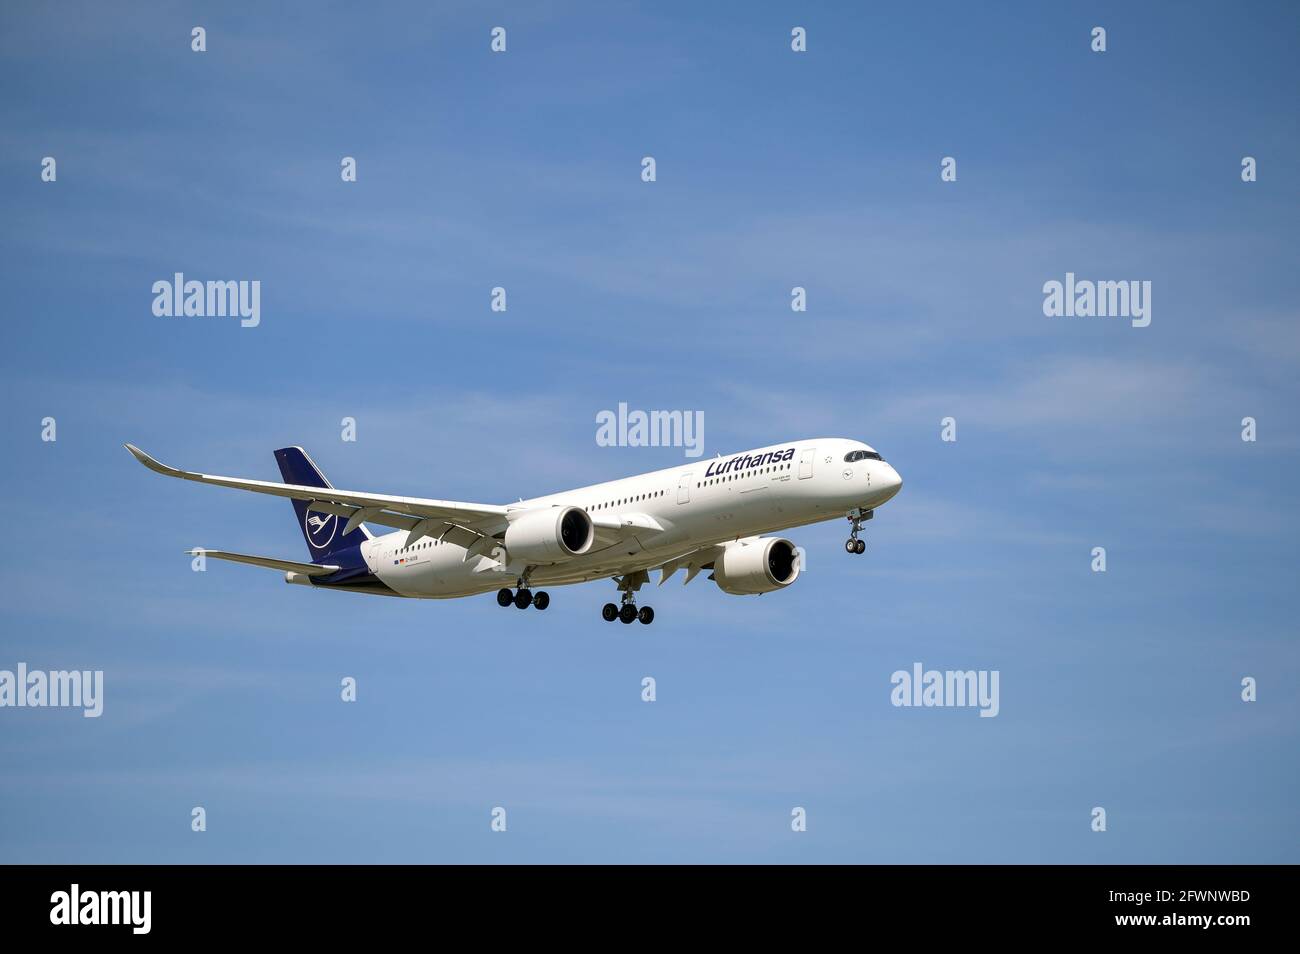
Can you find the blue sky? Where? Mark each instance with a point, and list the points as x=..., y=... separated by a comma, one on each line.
x=775, y=169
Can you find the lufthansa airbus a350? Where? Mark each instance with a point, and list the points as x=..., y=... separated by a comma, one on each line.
x=706, y=515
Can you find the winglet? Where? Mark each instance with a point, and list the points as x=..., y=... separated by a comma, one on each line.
x=154, y=465
x=143, y=458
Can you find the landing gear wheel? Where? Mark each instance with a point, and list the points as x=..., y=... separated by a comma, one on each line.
x=646, y=615
x=523, y=599
x=860, y=547
x=504, y=597
x=609, y=612
x=627, y=614
x=542, y=600
x=850, y=545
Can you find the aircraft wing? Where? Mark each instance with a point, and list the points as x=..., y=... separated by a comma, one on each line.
x=308, y=569
x=612, y=530
x=416, y=514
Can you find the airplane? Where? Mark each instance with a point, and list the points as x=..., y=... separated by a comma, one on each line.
x=704, y=515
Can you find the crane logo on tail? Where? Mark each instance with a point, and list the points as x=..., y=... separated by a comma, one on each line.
x=320, y=528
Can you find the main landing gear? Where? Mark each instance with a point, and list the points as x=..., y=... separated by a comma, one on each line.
x=857, y=517
x=524, y=598
x=627, y=613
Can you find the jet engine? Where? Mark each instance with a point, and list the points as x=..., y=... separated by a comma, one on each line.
x=756, y=565
x=549, y=535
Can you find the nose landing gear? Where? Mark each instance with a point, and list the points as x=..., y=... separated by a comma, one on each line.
x=857, y=517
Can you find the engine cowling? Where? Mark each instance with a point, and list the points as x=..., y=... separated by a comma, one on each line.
x=549, y=535
x=756, y=565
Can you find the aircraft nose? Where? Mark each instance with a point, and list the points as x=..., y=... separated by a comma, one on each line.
x=891, y=481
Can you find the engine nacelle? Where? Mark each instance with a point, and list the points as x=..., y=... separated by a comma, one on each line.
x=549, y=535
x=756, y=565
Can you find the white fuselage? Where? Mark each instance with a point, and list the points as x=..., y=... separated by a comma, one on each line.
x=697, y=504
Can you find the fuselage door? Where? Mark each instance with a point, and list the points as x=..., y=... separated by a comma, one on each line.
x=806, y=462
x=684, y=489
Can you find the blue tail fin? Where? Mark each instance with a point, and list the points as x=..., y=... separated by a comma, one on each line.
x=322, y=531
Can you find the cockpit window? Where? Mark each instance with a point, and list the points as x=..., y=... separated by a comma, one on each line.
x=851, y=456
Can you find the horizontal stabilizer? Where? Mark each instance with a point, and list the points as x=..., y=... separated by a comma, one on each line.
x=288, y=566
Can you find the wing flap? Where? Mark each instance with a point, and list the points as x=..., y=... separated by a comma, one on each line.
x=694, y=561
